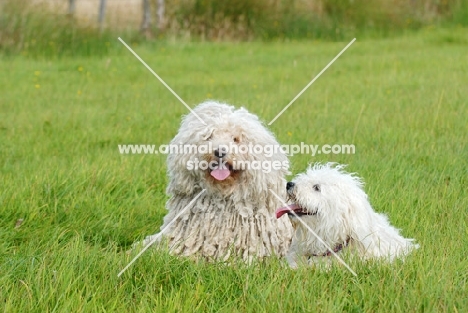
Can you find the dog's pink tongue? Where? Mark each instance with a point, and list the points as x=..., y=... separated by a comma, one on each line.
x=281, y=211
x=220, y=174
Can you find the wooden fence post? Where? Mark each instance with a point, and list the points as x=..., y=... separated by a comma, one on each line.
x=160, y=12
x=102, y=14
x=146, y=22
x=71, y=7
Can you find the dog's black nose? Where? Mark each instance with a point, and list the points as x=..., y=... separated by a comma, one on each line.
x=290, y=185
x=220, y=153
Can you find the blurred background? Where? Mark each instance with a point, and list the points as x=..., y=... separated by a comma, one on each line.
x=58, y=27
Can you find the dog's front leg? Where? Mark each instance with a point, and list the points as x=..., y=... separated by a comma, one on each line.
x=293, y=255
x=292, y=260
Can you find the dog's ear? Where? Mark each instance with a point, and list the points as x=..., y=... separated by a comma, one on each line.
x=360, y=224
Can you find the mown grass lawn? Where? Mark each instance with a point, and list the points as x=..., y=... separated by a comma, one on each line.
x=402, y=102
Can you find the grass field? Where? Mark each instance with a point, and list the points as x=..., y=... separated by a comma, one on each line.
x=401, y=101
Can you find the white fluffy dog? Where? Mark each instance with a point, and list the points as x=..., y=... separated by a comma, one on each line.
x=333, y=204
x=235, y=215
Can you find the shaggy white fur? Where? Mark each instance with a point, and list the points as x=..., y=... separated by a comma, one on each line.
x=333, y=204
x=235, y=216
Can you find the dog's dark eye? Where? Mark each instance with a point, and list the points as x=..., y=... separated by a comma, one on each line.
x=316, y=187
x=236, y=139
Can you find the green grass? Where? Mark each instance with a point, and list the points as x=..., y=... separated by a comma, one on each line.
x=401, y=101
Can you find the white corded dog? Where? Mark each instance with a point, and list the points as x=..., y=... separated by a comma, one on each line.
x=235, y=215
x=333, y=204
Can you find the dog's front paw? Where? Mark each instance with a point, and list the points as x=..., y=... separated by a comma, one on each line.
x=292, y=260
